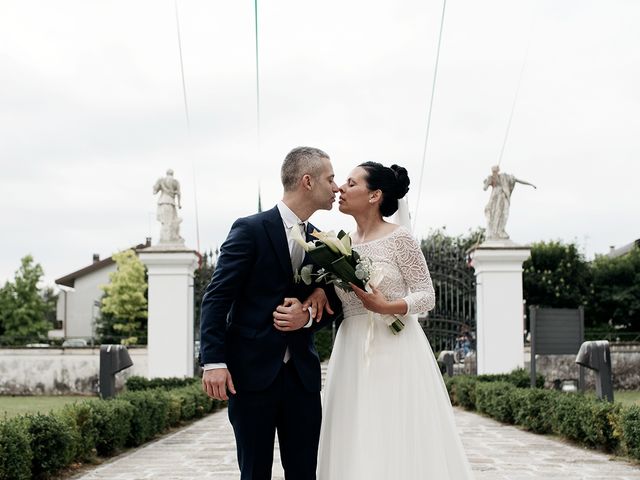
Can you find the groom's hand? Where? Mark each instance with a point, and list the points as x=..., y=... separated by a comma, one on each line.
x=215, y=383
x=290, y=316
x=319, y=303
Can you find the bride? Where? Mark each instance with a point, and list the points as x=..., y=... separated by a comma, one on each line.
x=386, y=412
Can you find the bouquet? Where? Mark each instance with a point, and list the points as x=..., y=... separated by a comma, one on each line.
x=340, y=265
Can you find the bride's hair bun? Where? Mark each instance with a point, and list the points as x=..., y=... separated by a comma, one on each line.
x=393, y=182
x=402, y=180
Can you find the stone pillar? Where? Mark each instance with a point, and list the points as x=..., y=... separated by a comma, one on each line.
x=499, y=307
x=171, y=306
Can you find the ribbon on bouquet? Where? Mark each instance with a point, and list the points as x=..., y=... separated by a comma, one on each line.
x=369, y=337
x=368, y=340
x=388, y=320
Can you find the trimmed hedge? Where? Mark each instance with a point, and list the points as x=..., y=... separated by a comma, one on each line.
x=15, y=451
x=496, y=399
x=136, y=383
x=582, y=419
x=35, y=446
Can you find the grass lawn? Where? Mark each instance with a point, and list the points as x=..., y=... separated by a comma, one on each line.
x=13, y=406
x=627, y=397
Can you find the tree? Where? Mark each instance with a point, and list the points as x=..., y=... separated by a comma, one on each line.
x=556, y=275
x=615, y=295
x=23, y=309
x=124, y=305
x=201, y=278
x=439, y=240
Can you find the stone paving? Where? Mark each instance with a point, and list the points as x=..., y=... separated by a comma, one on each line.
x=206, y=449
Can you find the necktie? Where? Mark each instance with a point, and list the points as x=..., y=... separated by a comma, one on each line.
x=297, y=256
x=297, y=252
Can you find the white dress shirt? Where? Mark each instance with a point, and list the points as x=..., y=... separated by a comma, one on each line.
x=289, y=220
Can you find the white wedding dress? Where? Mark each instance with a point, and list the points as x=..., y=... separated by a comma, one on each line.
x=386, y=411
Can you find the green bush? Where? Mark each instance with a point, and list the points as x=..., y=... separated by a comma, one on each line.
x=463, y=391
x=323, y=341
x=136, y=384
x=532, y=407
x=568, y=415
x=496, y=399
x=630, y=426
x=174, y=413
x=518, y=378
x=601, y=425
x=15, y=451
x=580, y=418
x=81, y=419
x=35, y=446
x=112, y=421
x=150, y=417
x=52, y=443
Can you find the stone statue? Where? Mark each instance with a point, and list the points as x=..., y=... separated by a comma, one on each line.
x=497, y=210
x=167, y=214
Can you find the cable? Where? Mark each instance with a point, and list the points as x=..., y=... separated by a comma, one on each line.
x=255, y=10
x=426, y=139
x=513, y=105
x=186, y=114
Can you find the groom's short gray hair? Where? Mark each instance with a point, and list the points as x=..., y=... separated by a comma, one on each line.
x=298, y=162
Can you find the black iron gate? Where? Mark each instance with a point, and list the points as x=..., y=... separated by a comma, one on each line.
x=455, y=286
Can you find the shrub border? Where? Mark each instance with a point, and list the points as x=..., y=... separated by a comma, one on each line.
x=585, y=420
x=30, y=445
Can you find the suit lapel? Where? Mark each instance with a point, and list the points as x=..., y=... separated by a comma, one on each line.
x=275, y=231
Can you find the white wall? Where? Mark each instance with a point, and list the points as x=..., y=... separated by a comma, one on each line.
x=58, y=371
x=80, y=308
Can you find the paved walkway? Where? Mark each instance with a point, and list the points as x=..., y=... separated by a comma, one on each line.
x=206, y=449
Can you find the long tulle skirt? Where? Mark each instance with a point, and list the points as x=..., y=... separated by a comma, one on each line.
x=386, y=411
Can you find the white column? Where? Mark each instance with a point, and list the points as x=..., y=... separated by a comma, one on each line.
x=499, y=307
x=171, y=302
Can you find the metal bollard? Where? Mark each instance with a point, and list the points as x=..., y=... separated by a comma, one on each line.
x=113, y=359
x=596, y=355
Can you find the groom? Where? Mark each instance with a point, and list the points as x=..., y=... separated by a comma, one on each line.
x=257, y=326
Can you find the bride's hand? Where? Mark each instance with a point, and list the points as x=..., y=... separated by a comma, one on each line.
x=374, y=301
x=377, y=303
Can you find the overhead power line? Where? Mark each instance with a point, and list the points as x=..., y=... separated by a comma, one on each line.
x=426, y=138
x=188, y=121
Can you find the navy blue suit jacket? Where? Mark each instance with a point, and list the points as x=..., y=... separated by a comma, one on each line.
x=252, y=277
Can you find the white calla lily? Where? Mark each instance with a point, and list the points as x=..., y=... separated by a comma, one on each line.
x=297, y=236
x=329, y=239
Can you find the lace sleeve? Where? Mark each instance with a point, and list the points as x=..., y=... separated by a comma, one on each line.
x=411, y=262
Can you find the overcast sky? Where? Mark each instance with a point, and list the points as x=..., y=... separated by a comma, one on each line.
x=91, y=114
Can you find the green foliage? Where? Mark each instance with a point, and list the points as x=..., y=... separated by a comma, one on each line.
x=23, y=310
x=518, y=378
x=556, y=275
x=15, y=451
x=532, y=407
x=630, y=426
x=51, y=440
x=440, y=240
x=81, y=418
x=150, y=415
x=324, y=343
x=616, y=291
x=496, y=399
x=124, y=305
x=586, y=420
x=463, y=391
x=201, y=278
x=112, y=421
x=136, y=383
x=37, y=446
